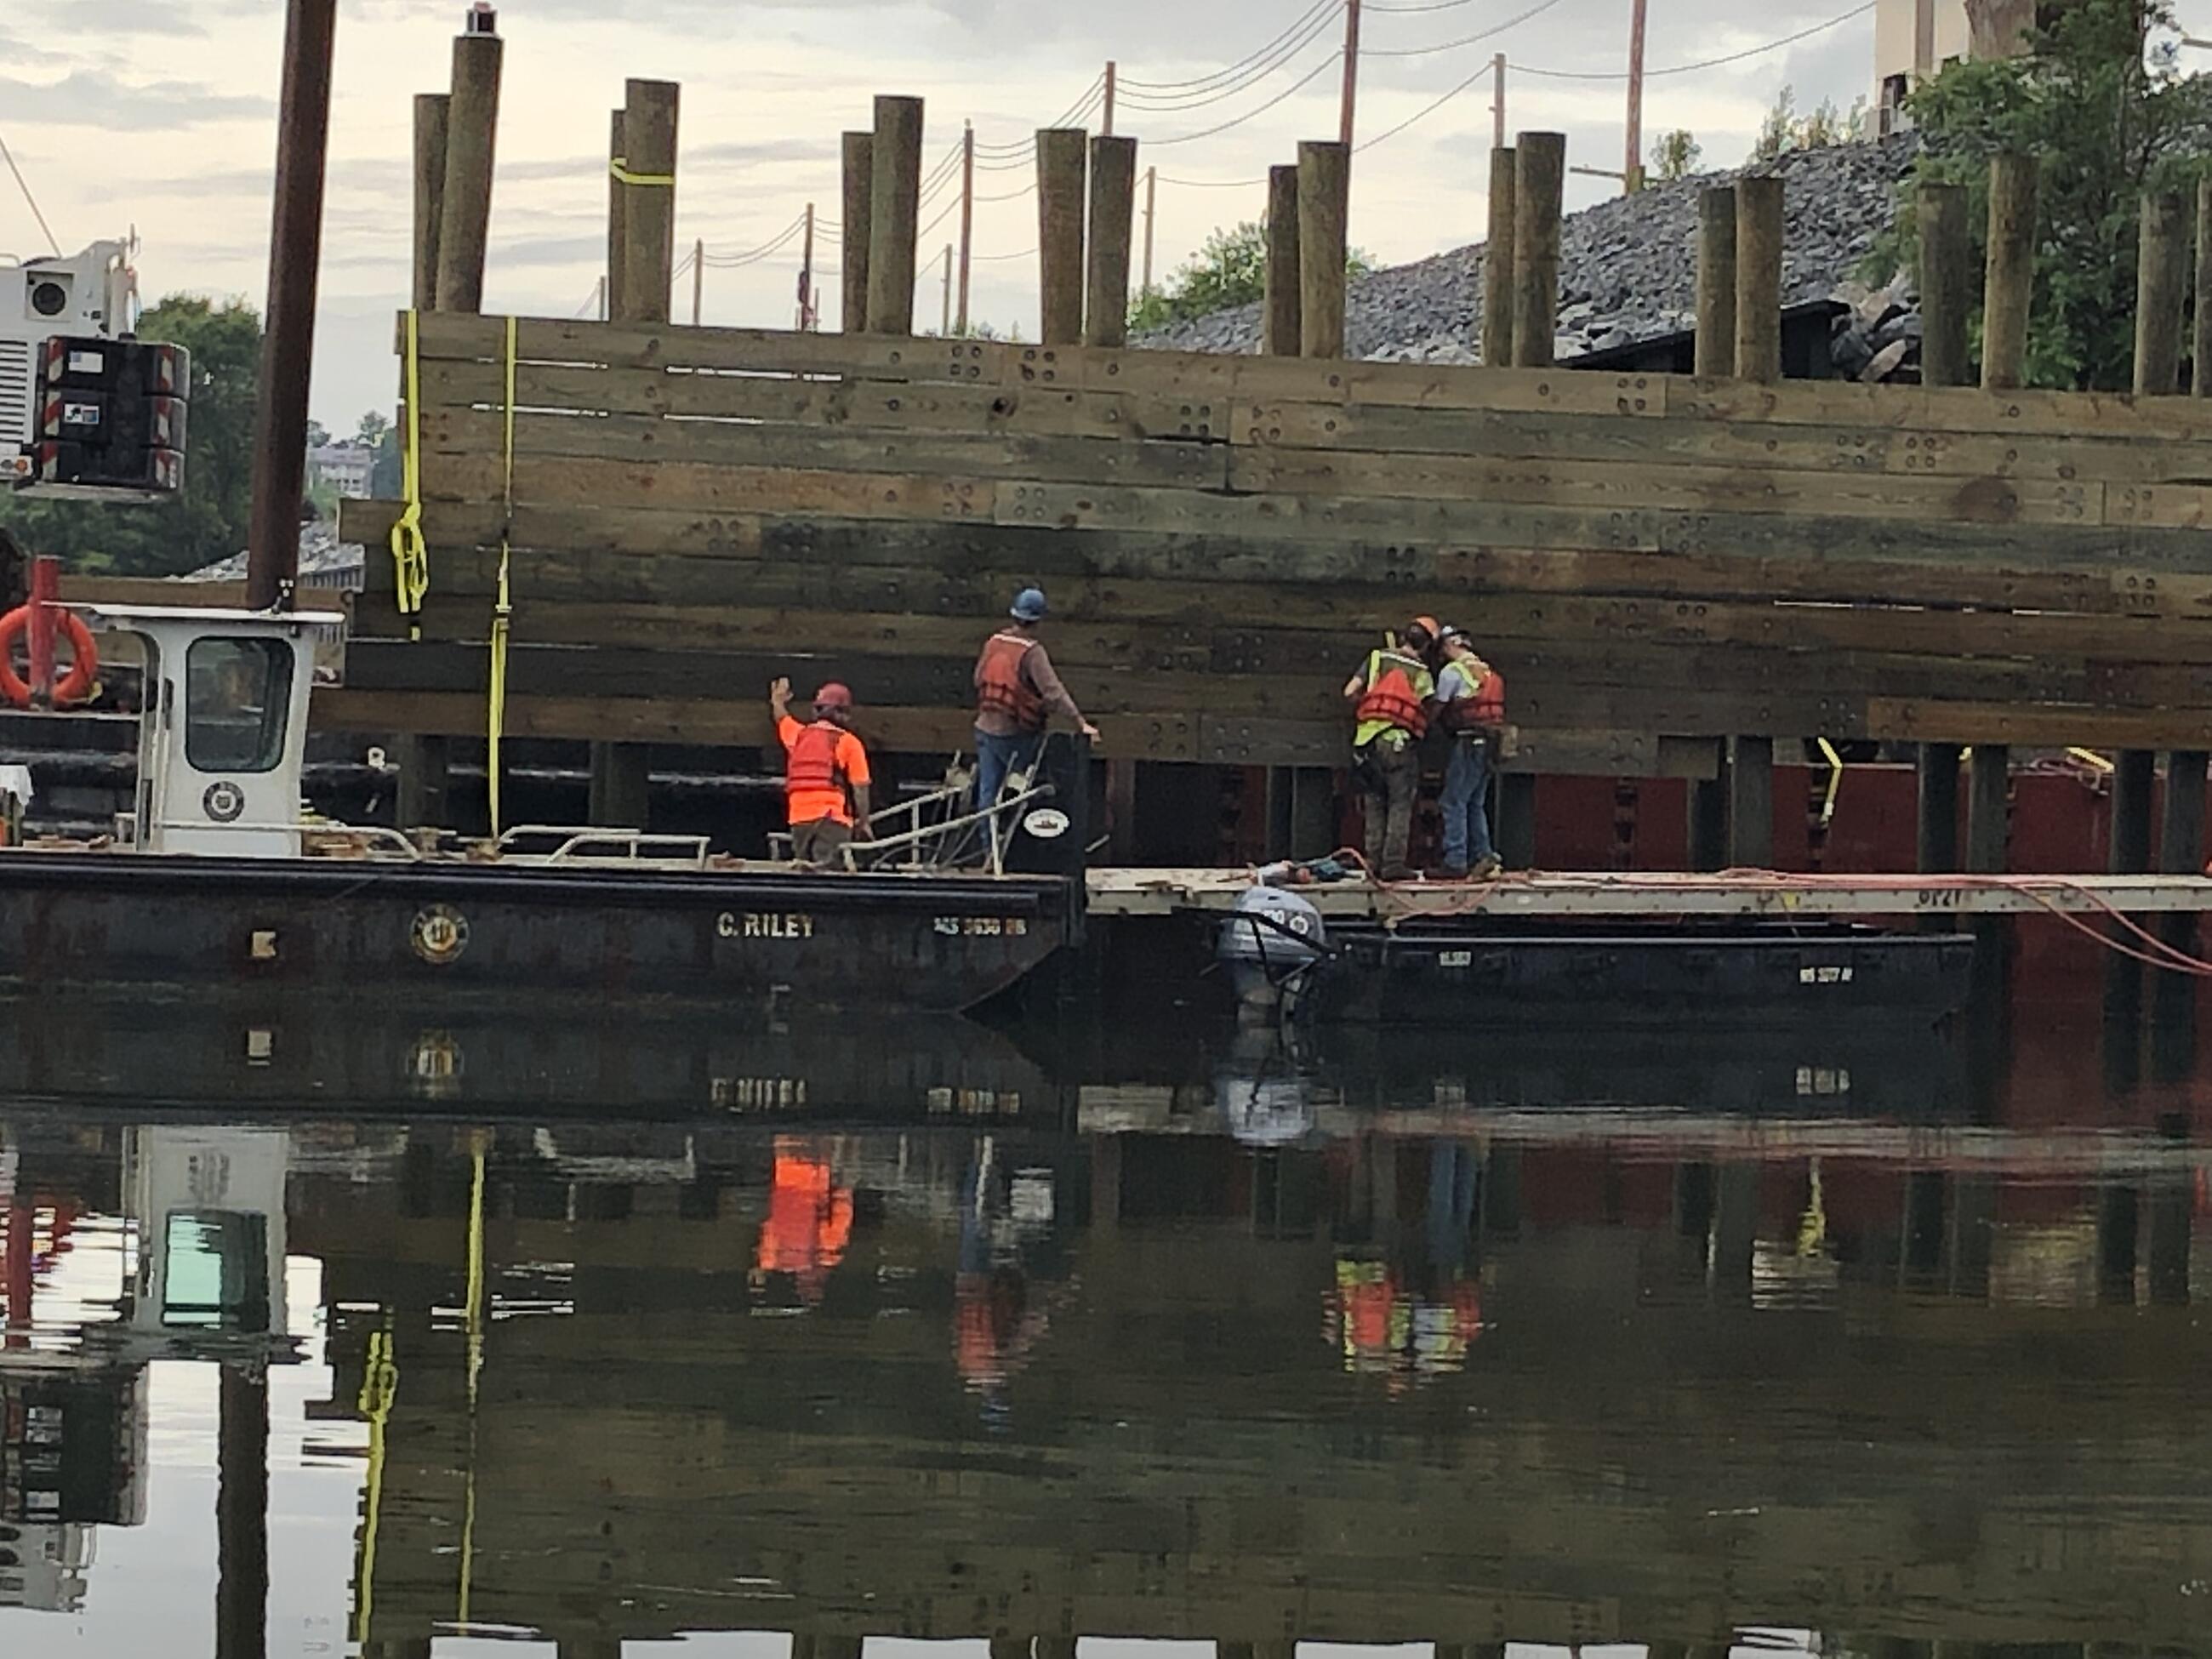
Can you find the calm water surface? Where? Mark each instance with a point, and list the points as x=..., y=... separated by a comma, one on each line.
x=390, y=1342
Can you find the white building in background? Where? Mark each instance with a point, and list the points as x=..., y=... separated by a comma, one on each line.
x=1913, y=39
x=345, y=467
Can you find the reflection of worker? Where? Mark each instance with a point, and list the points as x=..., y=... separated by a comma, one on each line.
x=1016, y=692
x=825, y=773
x=808, y=1221
x=1390, y=697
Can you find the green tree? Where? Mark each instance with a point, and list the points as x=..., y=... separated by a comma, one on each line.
x=2107, y=120
x=1778, y=130
x=1229, y=270
x=386, y=478
x=209, y=521
x=1676, y=155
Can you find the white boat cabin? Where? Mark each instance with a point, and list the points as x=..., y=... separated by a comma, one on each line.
x=222, y=734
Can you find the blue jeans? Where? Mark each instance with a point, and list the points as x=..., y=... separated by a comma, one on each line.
x=1466, y=805
x=995, y=756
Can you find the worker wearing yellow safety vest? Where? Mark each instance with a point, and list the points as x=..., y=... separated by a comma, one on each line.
x=1390, y=696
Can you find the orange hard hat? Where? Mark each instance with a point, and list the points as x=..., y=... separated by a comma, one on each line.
x=1430, y=626
x=834, y=694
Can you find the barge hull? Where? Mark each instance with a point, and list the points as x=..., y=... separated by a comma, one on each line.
x=380, y=932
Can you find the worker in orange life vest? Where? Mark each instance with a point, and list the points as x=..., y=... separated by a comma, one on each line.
x=1016, y=692
x=825, y=773
x=1390, y=696
x=1470, y=708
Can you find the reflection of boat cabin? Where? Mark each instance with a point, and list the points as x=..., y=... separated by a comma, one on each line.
x=222, y=734
x=209, y=1207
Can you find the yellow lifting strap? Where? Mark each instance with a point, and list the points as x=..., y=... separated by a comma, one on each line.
x=1835, y=780
x=502, y=610
x=620, y=168
x=411, y=560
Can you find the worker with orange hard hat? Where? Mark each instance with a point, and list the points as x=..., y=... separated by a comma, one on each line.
x=825, y=774
x=1390, y=696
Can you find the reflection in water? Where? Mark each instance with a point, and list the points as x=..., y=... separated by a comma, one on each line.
x=1246, y=1346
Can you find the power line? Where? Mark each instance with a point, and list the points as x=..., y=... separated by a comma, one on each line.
x=1467, y=41
x=1322, y=9
x=1707, y=63
x=23, y=185
x=987, y=258
x=1257, y=72
x=1299, y=85
x=1433, y=5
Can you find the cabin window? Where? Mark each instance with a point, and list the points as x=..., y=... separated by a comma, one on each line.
x=218, y=1268
x=238, y=697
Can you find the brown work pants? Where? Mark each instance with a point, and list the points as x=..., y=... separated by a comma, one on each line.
x=1389, y=777
x=821, y=843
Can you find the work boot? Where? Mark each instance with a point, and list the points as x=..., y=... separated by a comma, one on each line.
x=1487, y=868
x=1452, y=872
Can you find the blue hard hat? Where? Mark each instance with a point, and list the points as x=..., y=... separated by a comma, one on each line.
x=1029, y=605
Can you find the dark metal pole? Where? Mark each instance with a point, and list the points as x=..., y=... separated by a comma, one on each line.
x=295, y=236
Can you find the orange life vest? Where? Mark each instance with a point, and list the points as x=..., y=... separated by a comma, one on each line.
x=1390, y=695
x=1000, y=687
x=1483, y=712
x=812, y=763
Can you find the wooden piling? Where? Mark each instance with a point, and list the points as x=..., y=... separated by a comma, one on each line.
x=1945, y=296
x=649, y=212
x=465, y=209
x=1707, y=825
x=2131, y=793
x=2161, y=268
x=1280, y=309
x=2008, y=282
x=1935, y=842
x=1060, y=163
x=1716, y=348
x=894, y=206
x=1515, y=839
x=1758, y=232
x=2200, y=354
x=857, y=152
x=1751, y=803
x=1497, y=262
x=617, y=216
x=1324, y=202
x=432, y=111
x=1989, y=809
x=1540, y=175
x=2181, y=834
x=1112, y=225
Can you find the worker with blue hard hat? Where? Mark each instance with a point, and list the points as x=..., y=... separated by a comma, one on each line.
x=1016, y=693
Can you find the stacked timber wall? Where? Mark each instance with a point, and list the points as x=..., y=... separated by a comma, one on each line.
x=1656, y=561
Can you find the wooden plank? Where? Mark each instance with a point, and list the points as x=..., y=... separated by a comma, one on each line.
x=78, y=588
x=1806, y=446
x=697, y=720
x=657, y=345
x=691, y=487
x=1647, y=486
x=818, y=400
x=649, y=439
x=1943, y=408
x=2035, y=726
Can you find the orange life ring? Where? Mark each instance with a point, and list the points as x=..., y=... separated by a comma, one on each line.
x=84, y=667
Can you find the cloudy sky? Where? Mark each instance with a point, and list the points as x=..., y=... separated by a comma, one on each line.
x=158, y=113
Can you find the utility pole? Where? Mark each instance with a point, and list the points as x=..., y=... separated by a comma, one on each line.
x=966, y=216
x=1111, y=76
x=1151, y=186
x=1497, y=103
x=698, y=278
x=945, y=329
x=1631, y=172
x=806, y=274
x=1350, y=69
x=295, y=244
